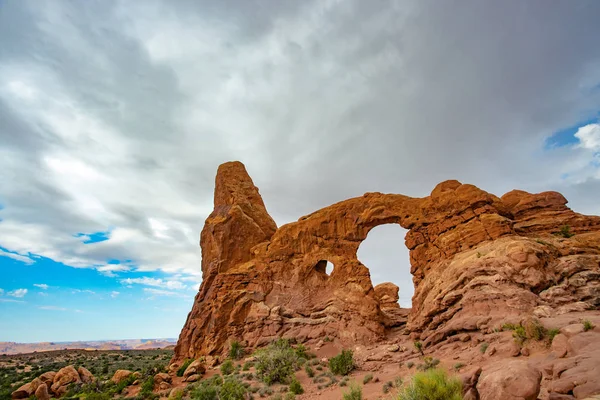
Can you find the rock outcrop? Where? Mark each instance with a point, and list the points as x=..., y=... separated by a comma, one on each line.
x=477, y=261
x=63, y=378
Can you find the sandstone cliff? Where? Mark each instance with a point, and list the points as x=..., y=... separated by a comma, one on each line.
x=477, y=261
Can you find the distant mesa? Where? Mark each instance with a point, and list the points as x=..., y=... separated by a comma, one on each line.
x=128, y=344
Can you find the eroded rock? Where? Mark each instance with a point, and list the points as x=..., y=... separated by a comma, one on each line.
x=509, y=380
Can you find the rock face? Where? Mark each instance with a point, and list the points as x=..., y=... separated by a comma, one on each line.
x=27, y=390
x=120, y=375
x=477, y=260
x=510, y=380
x=41, y=393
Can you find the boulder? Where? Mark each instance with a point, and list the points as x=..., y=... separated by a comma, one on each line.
x=41, y=393
x=85, y=375
x=509, y=380
x=47, y=378
x=192, y=378
x=162, y=377
x=195, y=368
x=63, y=378
x=121, y=375
x=27, y=390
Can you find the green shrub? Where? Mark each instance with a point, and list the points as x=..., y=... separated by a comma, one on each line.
x=419, y=346
x=343, y=363
x=147, y=387
x=276, y=363
x=434, y=384
x=355, y=392
x=309, y=371
x=587, y=325
x=519, y=334
x=535, y=329
x=184, y=366
x=296, y=387
x=205, y=391
x=290, y=396
x=410, y=364
x=301, y=351
x=483, y=348
x=551, y=333
x=232, y=389
x=387, y=387
x=236, y=350
x=227, y=367
x=428, y=363
x=565, y=231
x=458, y=366
x=98, y=396
x=368, y=378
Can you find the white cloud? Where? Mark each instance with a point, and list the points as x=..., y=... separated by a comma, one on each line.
x=18, y=257
x=17, y=293
x=42, y=286
x=160, y=292
x=87, y=291
x=52, y=308
x=168, y=284
x=2, y=300
x=1, y=292
x=114, y=294
x=589, y=136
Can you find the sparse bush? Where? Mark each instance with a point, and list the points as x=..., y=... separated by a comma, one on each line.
x=551, y=333
x=301, y=351
x=355, y=392
x=458, y=366
x=483, y=348
x=227, y=367
x=236, y=350
x=565, y=231
x=387, y=387
x=309, y=371
x=587, y=325
x=232, y=389
x=147, y=387
x=368, y=378
x=290, y=396
x=343, y=363
x=296, y=387
x=276, y=362
x=184, y=366
x=327, y=339
x=535, y=330
x=410, y=364
x=434, y=384
x=520, y=335
x=419, y=346
x=247, y=366
x=428, y=363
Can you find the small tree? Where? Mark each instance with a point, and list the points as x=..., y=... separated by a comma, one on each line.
x=343, y=363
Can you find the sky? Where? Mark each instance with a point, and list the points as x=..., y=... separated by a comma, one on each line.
x=114, y=116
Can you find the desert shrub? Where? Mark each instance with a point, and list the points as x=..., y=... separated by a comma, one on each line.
x=552, y=333
x=428, y=363
x=232, y=389
x=434, y=384
x=565, y=231
x=236, y=350
x=419, y=346
x=296, y=387
x=458, y=366
x=276, y=362
x=205, y=392
x=355, y=392
x=387, y=387
x=247, y=366
x=587, y=325
x=410, y=364
x=535, y=330
x=309, y=371
x=184, y=366
x=327, y=339
x=343, y=363
x=290, y=396
x=124, y=383
x=483, y=348
x=227, y=367
x=398, y=382
x=301, y=351
x=147, y=387
x=519, y=334
x=98, y=396
x=368, y=378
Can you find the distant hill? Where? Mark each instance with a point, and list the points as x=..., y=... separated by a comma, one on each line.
x=131, y=344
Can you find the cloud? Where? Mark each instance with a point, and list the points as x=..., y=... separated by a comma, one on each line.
x=52, y=308
x=168, y=284
x=114, y=294
x=18, y=257
x=160, y=292
x=42, y=286
x=322, y=100
x=1, y=292
x=589, y=136
x=17, y=293
x=87, y=291
x=2, y=300
x=110, y=269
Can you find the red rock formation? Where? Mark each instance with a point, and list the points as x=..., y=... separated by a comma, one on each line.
x=476, y=259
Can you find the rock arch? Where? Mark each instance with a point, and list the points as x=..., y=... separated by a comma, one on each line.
x=260, y=281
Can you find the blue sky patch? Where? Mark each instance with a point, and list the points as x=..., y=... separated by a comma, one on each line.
x=566, y=136
x=95, y=237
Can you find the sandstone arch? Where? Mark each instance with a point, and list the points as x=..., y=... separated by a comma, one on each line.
x=474, y=257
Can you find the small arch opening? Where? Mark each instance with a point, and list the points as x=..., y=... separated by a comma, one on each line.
x=325, y=267
x=388, y=260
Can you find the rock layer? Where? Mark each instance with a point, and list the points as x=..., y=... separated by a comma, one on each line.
x=477, y=260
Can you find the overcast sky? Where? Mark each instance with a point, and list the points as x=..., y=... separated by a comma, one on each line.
x=114, y=116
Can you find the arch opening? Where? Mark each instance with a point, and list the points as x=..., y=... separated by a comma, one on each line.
x=386, y=256
x=324, y=267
